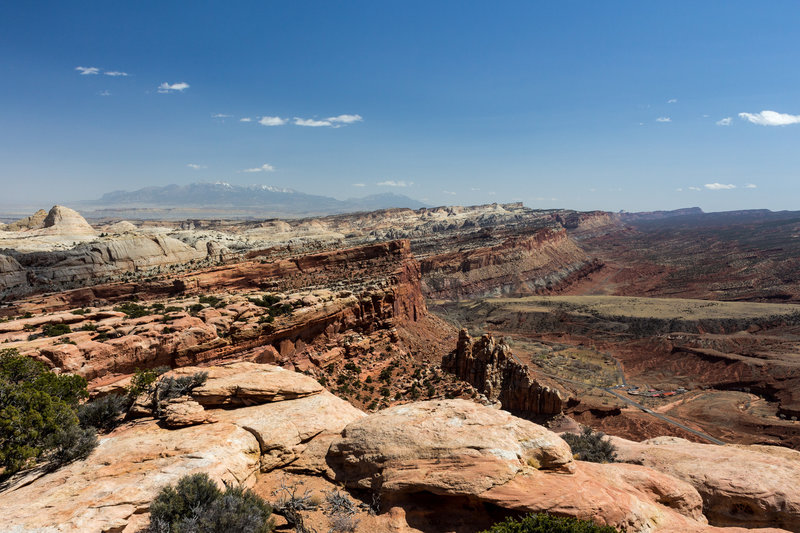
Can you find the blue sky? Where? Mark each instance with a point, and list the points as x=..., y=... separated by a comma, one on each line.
x=584, y=105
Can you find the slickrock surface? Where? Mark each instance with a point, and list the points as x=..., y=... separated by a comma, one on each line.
x=445, y=446
x=749, y=486
x=124, y=473
x=112, y=489
x=460, y=449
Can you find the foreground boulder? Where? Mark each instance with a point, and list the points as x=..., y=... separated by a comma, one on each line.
x=748, y=486
x=472, y=454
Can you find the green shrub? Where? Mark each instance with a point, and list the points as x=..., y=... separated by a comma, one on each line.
x=545, y=523
x=213, y=301
x=55, y=330
x=142, y=380
x=171, y=387
x=133, y=310
x=197, y=505
x=38, y=414
x=103, y=413
x=591, y=446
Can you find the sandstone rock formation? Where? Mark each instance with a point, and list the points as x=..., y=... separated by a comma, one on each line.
x=746, y=486
x=491, y=368
x=471, y=453
x=112, y=489
x=65, y=221
x=35, y=221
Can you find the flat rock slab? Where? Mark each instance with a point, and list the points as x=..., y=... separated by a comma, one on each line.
x=245, y=383
x=124, y=473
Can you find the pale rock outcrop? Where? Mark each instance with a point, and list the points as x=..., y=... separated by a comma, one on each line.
x=124, y=473
x=453, y=447
x=245, y=383
x=472, y=453
x=284, y=429
x=123, y=226
x=183, y=411
x=65, y=221
x=35, y=221
x=741, y=485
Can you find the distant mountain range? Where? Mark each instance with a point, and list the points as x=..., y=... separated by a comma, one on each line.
x=263, y=200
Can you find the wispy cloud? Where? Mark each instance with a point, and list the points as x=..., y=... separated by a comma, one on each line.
x=104, y=93
x=695, y=189
x=195, y=166
x=346, y=119
x=312, y=123
x=771, y=118
x=719, y=186
x=221, y=115
x=751, y=186
x=663, y=119
x=245, y=119
x=116, y=73
x=395, y=183
x=451, y=193
x=272, y=121
x=727, y=121
x=263, y=168
x=679, y=189
x=86, y=71
x=330, y=122
x=672, y=101
x=359, y=185
x=169, y=88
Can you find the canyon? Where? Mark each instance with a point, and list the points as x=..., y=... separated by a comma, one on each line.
x=471, y=335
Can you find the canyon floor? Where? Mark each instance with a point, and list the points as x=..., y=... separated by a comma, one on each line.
x=676, y=333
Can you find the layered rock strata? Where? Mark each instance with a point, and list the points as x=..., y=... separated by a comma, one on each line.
x=491, y=368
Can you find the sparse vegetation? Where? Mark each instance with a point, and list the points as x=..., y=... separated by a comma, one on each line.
x=591, y=446
x=170, y=387
x=133, y=310
x=55, y=330
x=196, y=505
x=103, y=413
x=545, y=523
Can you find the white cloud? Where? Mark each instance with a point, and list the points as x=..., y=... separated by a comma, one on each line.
x=330, y=122
x=359, y=184
x=393, y=183
x=474, y=188
x=451, y=193
x=345, y=119
x=727, y=121
x=751, y=186
x=263, y=168
x=104, y=93
x=695, y=189
x=221, y=115
x=195, y=166
x=679, y=189
x=672, y=101
x=771, y=118
x=246, y=119
x=492, y=193
x=311, y=123
x=168, y=88
x=116, y=73
x=272, y=121
x=719, y=186
x=85, y=71
x=663, y=119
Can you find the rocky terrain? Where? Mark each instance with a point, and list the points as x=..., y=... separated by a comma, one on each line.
x=408, y=463
x=334, y=359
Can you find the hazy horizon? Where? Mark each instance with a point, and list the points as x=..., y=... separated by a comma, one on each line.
x=580, y=106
